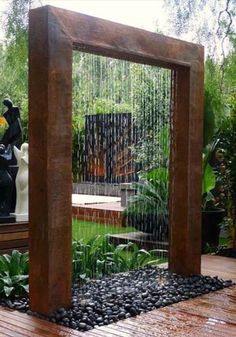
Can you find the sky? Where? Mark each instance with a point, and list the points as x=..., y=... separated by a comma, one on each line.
x=146, y=14
x=137, y=13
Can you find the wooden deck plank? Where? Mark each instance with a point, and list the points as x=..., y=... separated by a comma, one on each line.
x=192, y=323
x=28, y=320
x=130, y=329
x=210, y=315
x=9, y=332
x=169, y=321
x=23, y=330
x=224, y=267
x=31, y=323
x=33, y=330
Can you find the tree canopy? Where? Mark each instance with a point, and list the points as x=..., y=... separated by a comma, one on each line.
x=209, y=22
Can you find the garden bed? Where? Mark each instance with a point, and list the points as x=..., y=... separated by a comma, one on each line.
x=109, y=299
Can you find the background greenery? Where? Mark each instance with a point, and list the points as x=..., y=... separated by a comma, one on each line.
x=218, y=36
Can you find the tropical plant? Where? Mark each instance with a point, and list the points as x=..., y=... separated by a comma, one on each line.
x=98, y=257
x=227, y=140
x=147, y=210
x=14, y=270
x=208, y=177
x=151, y=193
x=216, y=112
x=215, y=178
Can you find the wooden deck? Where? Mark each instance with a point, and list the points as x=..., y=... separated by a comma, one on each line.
x=218, y=265
x=213, y=314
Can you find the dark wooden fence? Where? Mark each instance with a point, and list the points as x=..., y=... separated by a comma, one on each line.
x=108, y=142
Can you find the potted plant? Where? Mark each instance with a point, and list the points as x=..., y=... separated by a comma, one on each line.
x=147, y=210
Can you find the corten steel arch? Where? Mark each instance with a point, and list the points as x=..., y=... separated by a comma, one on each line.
x=53, y=34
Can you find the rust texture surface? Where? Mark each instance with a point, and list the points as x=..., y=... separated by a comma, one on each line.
x=50, y=64
x=53, y=33
x=209, y=315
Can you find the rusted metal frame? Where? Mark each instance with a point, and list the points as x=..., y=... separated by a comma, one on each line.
x=50, y=105
x=185, y=171
x=60, y=31
x=112, y=39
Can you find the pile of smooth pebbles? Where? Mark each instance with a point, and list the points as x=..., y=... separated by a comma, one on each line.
x=107, y=300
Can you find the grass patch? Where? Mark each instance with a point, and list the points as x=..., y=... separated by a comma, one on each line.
x=87, y=230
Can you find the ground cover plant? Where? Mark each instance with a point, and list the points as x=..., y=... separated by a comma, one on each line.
x=94, y=256
x=14, y=270
x=98, y=257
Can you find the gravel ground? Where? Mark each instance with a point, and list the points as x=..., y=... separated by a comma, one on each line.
x=107, y=300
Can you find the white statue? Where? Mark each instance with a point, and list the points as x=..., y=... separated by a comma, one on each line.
x=22, y=183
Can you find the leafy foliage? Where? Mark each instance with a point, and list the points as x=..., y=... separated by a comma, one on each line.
x=213, y=28
x=152, y=194
x=216, y=109
x=14, y=270
x=101, y=85
x=208, y=176
x=97, y=258
x=227, y=136
x=147, y=210
x=214, y=178
x=220, y=126
x=14, y=58
x=151, y=89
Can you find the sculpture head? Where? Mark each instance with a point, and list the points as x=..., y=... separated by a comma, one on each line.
x=22, y=154
x=12, y=116
x=25, y=149
x=8, y=103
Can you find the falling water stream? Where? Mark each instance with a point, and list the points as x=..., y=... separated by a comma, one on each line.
x=121, y=137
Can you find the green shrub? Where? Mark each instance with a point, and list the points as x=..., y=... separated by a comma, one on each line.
x=93, y=259
x=152, y=194
x=14, y=276
x=99, y=257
